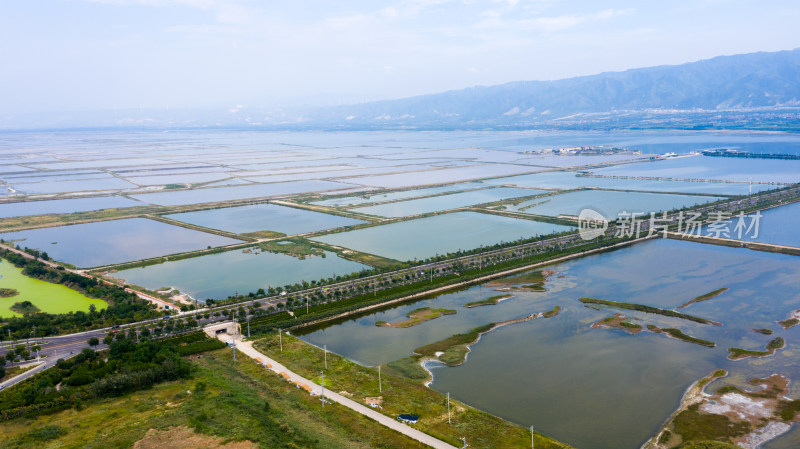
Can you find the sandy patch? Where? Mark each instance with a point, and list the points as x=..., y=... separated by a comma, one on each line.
x=185, y=438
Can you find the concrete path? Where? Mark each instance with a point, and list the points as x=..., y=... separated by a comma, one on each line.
x=247, y=349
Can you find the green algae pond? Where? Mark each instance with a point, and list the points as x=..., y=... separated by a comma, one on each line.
x=48, y=297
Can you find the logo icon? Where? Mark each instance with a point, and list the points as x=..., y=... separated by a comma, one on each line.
x=591, y=224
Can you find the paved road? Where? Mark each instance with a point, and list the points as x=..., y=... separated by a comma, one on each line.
x=247, y=349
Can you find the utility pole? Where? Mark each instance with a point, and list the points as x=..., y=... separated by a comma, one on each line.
x=306, y=305
x=532, y=437
x=280, y=339
x=325, y=348
x=248, y=327
x=448, y=408
x=322, y=396
x=380, y=386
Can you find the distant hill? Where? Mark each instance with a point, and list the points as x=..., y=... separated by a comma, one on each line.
x=756, y=80
x=750, y=91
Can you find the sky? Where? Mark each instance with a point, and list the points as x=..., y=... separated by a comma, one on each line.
x=81, y=55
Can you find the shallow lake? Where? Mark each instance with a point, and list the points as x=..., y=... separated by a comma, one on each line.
x=264, y=217
x=116, y=241
x=600, y=388
x=440, y=234
x=218, y=276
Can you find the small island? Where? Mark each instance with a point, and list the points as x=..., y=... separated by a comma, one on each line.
x=764, y=331
x=679, y=335
x=494, y=300
x=774, y=345
x=792, y=321
x=730, y=416
x=24, y=307
x=706, y=297
x=527, y=282
x=418, y=316
x=617, y=321
x=8, y=292
x=647, y=309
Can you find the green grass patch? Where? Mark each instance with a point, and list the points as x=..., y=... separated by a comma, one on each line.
x=299, y=248
x=554, y=312
x=706, y=297
x=772, y=346
x=531, y=277
x=764, y=331
x=678, y=334
x=265, y=234
x=493, y=300
x=692, y=425
x=791, y=322
x=419, y=316
x=430, y=350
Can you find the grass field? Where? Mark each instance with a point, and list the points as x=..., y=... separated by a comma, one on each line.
x=402, y=395
x=48, y=297
x=235, y=401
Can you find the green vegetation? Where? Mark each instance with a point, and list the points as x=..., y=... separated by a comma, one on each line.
x=531, y=277
x=174, y=186
x=265, y=234
x=705, y=297
x=493, y=300
x=402, y=395
x=296, y=247
x=88, y=377
x=692, y=425
x=238, y=401
x=24, y=307
x=419, y=316
x=678, y=334
x=554, y=312
x=772, y=346
x=618, y=321
x=763, y=331
x=468, y=338
x=791, y=322
x=8, y=292
x=8, y=373
x=646, y=309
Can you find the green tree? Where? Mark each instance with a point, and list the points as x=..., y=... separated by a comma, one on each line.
x=94, y=341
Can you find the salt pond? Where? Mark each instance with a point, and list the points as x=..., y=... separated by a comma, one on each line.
x=444, y=202
x=116, y=241
x=264, y=217
x=218, y=276
x=440, y=234
x=609, y=203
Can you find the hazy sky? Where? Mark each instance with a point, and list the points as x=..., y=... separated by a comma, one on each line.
x=63, y=55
